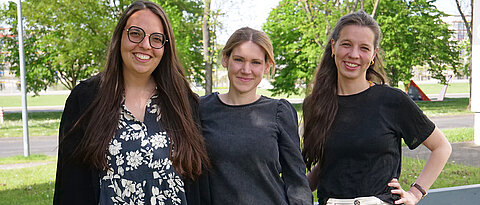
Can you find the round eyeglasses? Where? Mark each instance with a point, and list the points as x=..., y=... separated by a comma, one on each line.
x=137, y=34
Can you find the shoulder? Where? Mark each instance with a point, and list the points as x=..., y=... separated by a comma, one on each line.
x=87, y=87
x=389, y=93
x=83, y=93
x=285, y=109
x=208, y=98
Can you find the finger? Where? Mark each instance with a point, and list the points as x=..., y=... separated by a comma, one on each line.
x=394, y=184
x=400, y=201
x=397, y=191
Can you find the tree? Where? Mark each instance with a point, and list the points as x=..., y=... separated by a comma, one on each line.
x=207, y=56
x=468, y=26
x=413, y=35
x=66, y=40
x=186, y=19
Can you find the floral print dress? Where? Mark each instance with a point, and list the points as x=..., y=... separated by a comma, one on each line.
x=140, y=171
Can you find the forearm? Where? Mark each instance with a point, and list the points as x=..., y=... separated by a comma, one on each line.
x=441, y=150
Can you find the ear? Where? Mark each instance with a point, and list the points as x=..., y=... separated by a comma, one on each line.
x=332, y=46
x=225, y=61
x=267, y=68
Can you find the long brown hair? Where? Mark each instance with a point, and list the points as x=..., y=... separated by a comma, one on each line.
x=249, y=34
x=177, y=102
x=320, y=107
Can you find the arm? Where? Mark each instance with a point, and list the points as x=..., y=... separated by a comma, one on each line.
x=74, y=183
x=438, y=144
x=312, y=177
x=293, y=167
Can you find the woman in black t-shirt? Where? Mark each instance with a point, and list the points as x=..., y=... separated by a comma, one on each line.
x=355, y=123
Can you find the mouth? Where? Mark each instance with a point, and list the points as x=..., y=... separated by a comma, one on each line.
x=142, y=56
x=242, y=79
x=352, y=66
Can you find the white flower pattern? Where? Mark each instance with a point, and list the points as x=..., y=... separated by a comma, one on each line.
x=136, y=149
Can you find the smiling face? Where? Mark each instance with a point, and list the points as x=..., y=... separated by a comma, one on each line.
x=141, y=59
x=354, y=51
x=246, y=66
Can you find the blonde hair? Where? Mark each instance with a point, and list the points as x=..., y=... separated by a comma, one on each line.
x=249, y=34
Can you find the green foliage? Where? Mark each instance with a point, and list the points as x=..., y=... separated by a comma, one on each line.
x=64, y=41
x=414, y=35
x=186, y=19
x=67, y=40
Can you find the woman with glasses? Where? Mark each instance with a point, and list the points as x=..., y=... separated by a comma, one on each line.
x=128, y=135
x=354, y=124
x=252, y=140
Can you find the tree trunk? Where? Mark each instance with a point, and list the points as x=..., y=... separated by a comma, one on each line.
x=374, y=8
x=206, y=45
x=469, y=32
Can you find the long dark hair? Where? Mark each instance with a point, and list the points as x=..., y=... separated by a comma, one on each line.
x=320, y=107
x=177, y=103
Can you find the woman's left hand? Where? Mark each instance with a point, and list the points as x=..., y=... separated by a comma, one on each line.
x=406, y=197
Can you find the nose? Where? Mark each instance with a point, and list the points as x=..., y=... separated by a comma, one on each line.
x=145, y=43
x=246, y=68
x=354, y=53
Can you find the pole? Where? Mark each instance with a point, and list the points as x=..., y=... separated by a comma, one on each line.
x=476, y=69
x=26, y=145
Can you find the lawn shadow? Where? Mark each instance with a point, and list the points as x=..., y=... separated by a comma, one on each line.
x=37, y=194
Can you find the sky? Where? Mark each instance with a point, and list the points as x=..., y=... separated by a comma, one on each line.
x=253, y=13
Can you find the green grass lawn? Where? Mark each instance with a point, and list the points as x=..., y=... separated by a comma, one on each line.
x=39, y=124
x=32, y=185
x=449, y=106
x=42, y=100
x=22, y=159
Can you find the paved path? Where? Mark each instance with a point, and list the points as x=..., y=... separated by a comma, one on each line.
x=465, y=153
x=11, y=146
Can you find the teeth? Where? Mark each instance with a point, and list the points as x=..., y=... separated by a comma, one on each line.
x=351, y=64
x=141, y=56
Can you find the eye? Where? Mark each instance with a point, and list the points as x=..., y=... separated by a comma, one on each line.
x=345, y=44
x=237, y=59
x=157, y=38
x=365, y=48
x=257, y=62
x=135, y=33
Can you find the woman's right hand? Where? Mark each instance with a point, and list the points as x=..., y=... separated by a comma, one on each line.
x=406, y=197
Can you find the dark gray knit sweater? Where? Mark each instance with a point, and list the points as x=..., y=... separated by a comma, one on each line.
x=255, y=153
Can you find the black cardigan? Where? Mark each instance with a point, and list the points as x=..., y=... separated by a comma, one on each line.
x=77, y=183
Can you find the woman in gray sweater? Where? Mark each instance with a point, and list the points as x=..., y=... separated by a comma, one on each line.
x=252, y=140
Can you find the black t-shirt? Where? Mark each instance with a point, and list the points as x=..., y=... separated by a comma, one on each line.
x=363, y=152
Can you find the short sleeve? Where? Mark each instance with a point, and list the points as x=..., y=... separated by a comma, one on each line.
x=413, y=125
x=291, y=161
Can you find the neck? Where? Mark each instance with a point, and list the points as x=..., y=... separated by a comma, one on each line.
x=350, y=87
x=139, y=84
x=232, y=98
